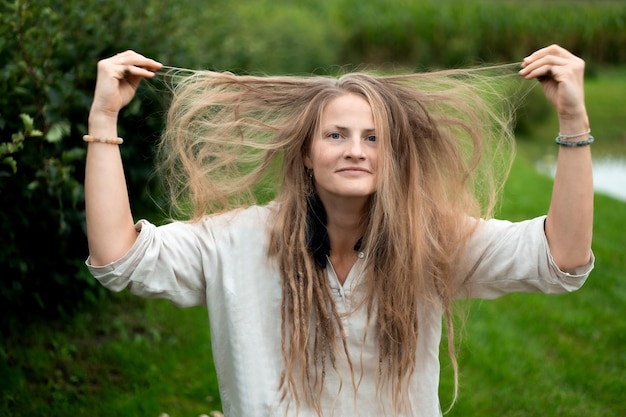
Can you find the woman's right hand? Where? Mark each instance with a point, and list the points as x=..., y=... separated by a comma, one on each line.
x=117, y=81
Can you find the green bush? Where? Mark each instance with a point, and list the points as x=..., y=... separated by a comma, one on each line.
x=48, y=55
x=450, y=33
x=261, y=37
x=271, y=37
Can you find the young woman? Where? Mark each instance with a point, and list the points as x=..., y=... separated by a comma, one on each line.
x=329, y=299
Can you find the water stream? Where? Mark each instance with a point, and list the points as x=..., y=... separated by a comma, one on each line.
x=609, y=175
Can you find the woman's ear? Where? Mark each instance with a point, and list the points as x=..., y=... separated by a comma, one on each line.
x=307, y=162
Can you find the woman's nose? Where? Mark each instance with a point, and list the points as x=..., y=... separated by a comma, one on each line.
x=354, y=148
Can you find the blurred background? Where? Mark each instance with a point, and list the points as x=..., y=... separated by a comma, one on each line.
x=68, y=347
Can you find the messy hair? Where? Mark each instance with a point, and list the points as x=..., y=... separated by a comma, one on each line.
x=445, y=148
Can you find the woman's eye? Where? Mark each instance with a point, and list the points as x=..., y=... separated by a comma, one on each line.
x=371, y=138
x=334, y=136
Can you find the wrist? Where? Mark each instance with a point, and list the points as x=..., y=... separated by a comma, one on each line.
x=573, y=126
x=574, y=122
x=102, y=123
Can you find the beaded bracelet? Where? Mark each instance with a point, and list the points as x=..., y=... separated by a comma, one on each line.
x=559, y=140
x=110, y=141
x=577, y=135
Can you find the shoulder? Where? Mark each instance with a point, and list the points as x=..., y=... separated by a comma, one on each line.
x=497, y=241
x=246, y=223
x=500, y=229
x=251, y=221
x=255, y=215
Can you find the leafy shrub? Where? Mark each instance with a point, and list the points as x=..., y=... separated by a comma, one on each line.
x=450, y=33
x=48, y=55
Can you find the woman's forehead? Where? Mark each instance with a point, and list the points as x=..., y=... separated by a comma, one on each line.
x=347, y=111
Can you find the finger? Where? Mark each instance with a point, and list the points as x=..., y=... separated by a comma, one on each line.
x=541, y=69
x=545, y=67
x=553, y=55
x=552, y=50
x=132, y=57
x=135, y=72
x=130, y=63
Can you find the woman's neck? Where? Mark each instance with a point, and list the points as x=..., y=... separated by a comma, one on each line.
x=345, y=223
x=345, y=226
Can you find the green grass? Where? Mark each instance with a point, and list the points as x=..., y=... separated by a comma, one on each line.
x=521, y=355
x=128, y=357
x=543, y=355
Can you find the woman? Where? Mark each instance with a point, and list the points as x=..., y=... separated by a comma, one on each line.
x=329, y=299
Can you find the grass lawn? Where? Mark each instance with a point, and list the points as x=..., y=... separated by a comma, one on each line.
x=129, y=357
x=546, y=355
x=521, y=355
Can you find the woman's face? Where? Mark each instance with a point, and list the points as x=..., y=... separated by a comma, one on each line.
x=344, y=151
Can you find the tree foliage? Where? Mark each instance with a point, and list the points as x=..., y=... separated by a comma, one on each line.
x=48, y=51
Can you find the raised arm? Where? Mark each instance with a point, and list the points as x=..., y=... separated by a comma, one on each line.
x=569, y=224
x=110, y=225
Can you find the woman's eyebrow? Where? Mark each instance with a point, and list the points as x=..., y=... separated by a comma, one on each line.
x=344, y=128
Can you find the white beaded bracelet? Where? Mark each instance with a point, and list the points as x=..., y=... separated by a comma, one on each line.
x=577, y=135
x=110, y=141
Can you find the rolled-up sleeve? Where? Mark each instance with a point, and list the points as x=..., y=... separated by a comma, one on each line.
x=504, y=257
x=164, y=262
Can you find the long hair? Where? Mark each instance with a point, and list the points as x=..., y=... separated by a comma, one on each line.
x=445, y=148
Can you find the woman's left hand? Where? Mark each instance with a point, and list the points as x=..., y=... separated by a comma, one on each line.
x=569, y=225
x=561, y=74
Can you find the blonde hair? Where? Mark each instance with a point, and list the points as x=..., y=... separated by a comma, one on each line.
x=445, y=148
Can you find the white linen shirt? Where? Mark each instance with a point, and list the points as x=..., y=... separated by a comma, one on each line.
x=222, y=262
